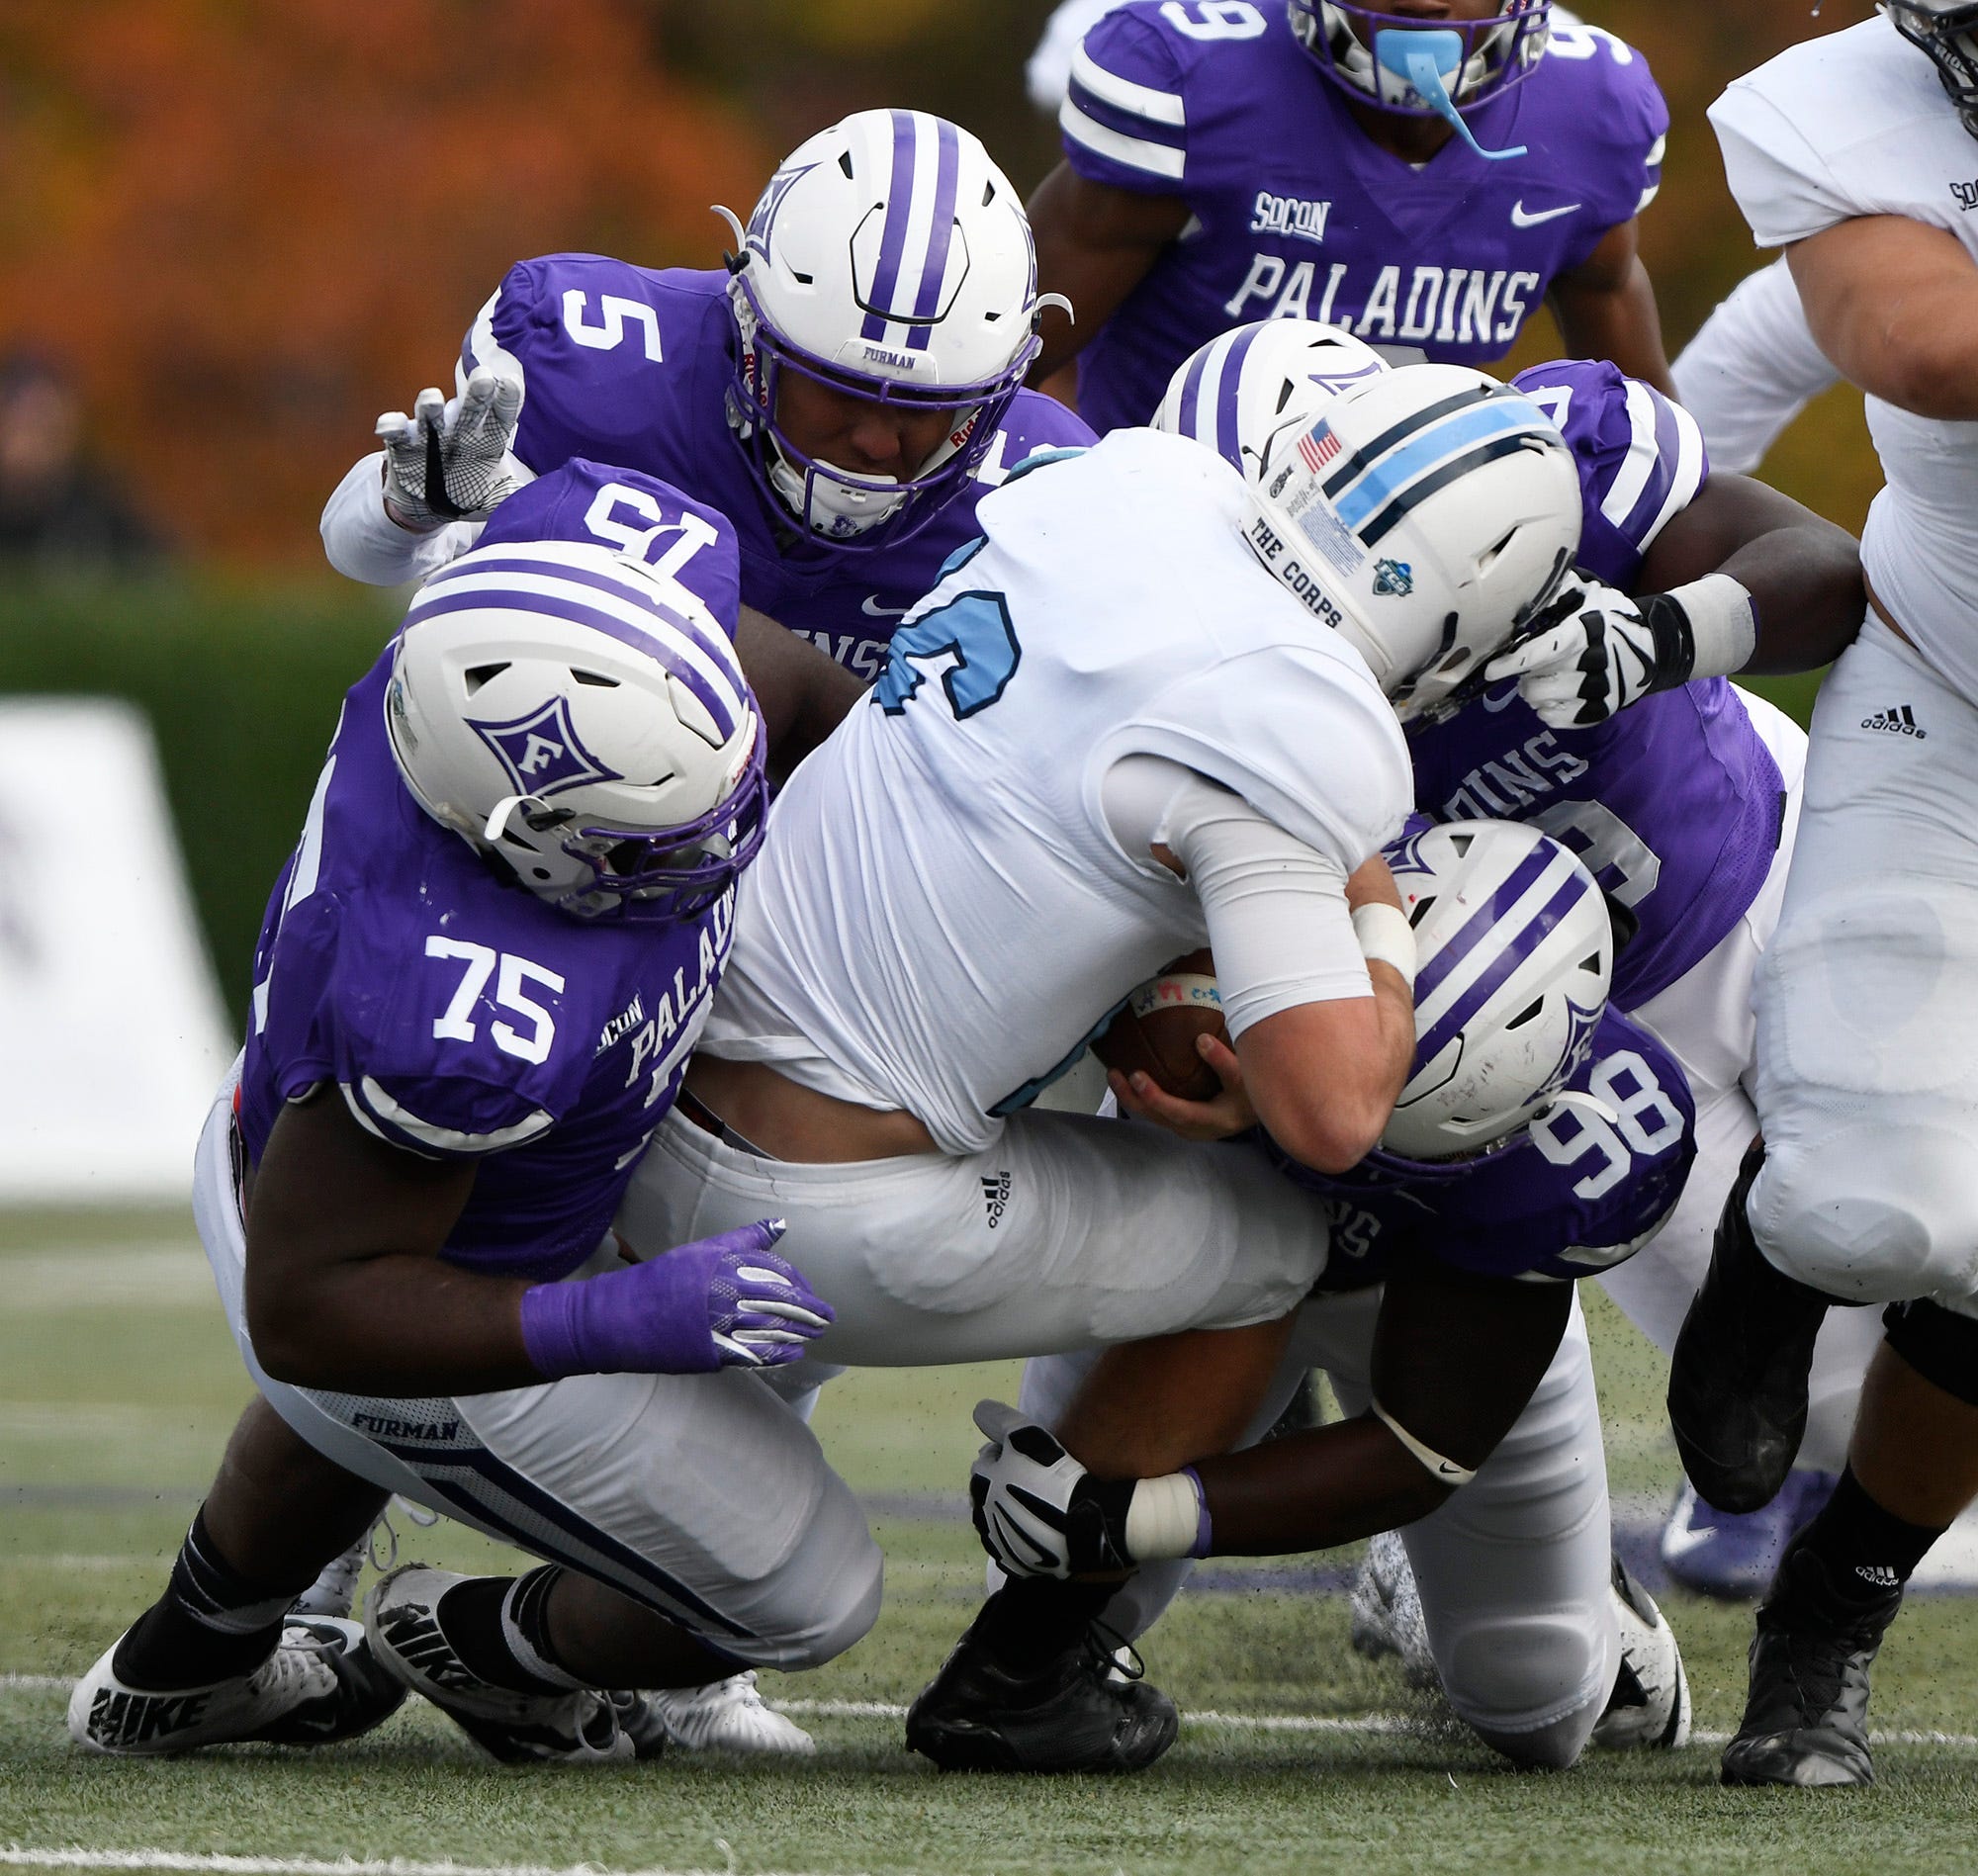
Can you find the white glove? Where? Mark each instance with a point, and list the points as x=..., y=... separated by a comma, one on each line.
x=1036, y=1510
x=1610, y=650
x=449, y=460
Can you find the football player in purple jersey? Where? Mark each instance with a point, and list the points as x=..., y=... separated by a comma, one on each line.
x=1541, y=1138
x=477, y=987
x=1423, y=172
x=1683, y=805
x=843, y=391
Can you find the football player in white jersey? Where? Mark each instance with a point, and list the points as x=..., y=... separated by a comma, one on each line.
x=1847, y=153
x=1133, y=721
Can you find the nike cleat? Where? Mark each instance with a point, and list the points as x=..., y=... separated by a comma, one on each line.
x=1650, y=1702
x=1731, y=1555
x=726, y=1715
x=403, y=1621
x=321, y=1684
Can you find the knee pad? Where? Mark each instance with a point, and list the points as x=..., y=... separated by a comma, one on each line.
x=1871, y=1215
x=1529, y=1686
x=1938, y=1343
x=835, y=1614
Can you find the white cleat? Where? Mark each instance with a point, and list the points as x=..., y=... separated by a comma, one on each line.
x=726, y=1715
x=1385, y=1611
x=334, y=1591
x=402, y=1622
x=1650, y=1704
x=321, y=1684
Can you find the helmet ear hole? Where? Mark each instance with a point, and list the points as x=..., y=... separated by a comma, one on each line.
x=481, y=675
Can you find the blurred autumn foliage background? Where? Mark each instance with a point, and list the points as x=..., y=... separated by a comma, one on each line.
x=246, y=227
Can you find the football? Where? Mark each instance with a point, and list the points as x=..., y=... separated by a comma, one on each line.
x=1155, y=1033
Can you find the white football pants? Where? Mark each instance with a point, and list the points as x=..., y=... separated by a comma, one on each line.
x=1706, y=1021
x=703, y=1496
x=1513, y=1569
x=1867, y=1000
x=1069, y=1233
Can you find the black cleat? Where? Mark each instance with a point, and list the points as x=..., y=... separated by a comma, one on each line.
x=1085, y=1712
x=1806, y=1717
x=1737, y=1390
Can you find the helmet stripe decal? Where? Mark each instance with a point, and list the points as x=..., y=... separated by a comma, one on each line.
x=1431, y=445
x=1419, y=491
x=893, y=235
x=940, y=234
x=1228, y=440
x=718, y=697
x=1436, y=970
x=1410, y=425
x=1191, y=391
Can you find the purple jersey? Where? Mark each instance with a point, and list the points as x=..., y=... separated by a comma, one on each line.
x=1581, y=1191
x=459, y=1015
x=1675, y=804
x=631, y=366
x=1296, y=214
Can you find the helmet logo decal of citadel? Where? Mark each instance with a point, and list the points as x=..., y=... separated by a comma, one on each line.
x=1394, y=579
x=541, y=752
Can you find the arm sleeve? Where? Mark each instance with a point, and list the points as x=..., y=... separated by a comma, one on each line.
x=364, y=543
x=1276, y=911
x=1124, y=120
x=1752, y=368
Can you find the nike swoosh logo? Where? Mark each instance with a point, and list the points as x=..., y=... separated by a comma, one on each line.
x=1677, y=1544
x=873, y=610
x=1521, y=220
x=1500, y=701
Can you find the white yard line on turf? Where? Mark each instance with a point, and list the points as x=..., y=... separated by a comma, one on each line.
x=1371, y=1723
x=80, y=1858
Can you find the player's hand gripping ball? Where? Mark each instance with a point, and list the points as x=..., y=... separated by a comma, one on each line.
x=1155, y=1033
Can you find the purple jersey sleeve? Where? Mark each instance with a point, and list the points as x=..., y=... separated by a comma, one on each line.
x=1641, y=459
x=1585, y=1188
x=636, y=513
x=1124, y=116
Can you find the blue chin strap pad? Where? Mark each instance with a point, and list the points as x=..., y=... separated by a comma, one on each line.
x=1427, y=58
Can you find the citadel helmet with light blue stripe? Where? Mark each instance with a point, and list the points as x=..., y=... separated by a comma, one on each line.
x=1426, y=513
x=1514, y=956
x=889, y=259
x=1257, y=389
x=580, y=718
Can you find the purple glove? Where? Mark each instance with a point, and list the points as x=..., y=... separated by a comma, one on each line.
x=724, y=1301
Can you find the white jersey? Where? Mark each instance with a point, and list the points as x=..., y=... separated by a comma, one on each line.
x=1752, y=369
x=1851, y=124
x=941, y=917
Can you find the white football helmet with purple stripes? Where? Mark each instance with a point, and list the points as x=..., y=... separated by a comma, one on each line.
x=1426, y=513
x=1514, y=951
x=891, y=259
x=1256, y=390
x=580, y=718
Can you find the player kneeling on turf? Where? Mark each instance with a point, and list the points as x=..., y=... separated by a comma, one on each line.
x=477, y=986
x=1542, y=1136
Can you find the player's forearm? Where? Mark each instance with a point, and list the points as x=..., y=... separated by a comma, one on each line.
x=1311, y=1490
x=802, y=694
x=1094, y=244
x=393, y=1324
x=1806, y=588
x=1894, y=304
x=1610, y=312
x=364, y=543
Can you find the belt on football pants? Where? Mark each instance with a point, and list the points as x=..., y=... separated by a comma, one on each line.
x=708, y=1121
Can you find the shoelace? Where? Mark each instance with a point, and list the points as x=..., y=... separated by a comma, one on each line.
x=1108, y=1645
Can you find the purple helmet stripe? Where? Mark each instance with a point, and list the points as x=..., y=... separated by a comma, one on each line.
x=1448, y=1025
x=1190, y=393
x=720, y=652
x=893, y=235
x=941, y=236
x=1228, y=441
x=1462, y=942
x=719, y=702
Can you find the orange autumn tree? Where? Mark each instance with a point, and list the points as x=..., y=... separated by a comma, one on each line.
x=247, y=228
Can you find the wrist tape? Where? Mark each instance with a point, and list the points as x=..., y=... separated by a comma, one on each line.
x=1167, y=1517
x=1386, y=936
x=1706, y=629
x=1445, y=1471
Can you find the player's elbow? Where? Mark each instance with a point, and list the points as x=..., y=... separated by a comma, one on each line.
x=285, y=1328
x=1330, y=1131
x=1933, y=375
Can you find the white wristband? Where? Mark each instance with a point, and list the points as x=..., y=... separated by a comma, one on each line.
x=1723, y=624
x=1386, y=936
x=1445, y=1471
x=1164, y=1518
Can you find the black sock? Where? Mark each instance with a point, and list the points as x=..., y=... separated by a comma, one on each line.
x=1032, y=1619
x=499, y=1627
x=211, y=1624
x=1867, y=1552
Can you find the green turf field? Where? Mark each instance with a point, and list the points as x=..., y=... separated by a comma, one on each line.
x=118, y=1383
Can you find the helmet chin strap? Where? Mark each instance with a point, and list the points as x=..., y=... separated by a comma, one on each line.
x=1427, y=58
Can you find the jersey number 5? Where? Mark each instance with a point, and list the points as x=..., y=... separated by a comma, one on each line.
x=974, y=635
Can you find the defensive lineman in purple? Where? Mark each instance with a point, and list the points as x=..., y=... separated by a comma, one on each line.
x=847, y=450
x=479, y=982
x=1283, y=196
